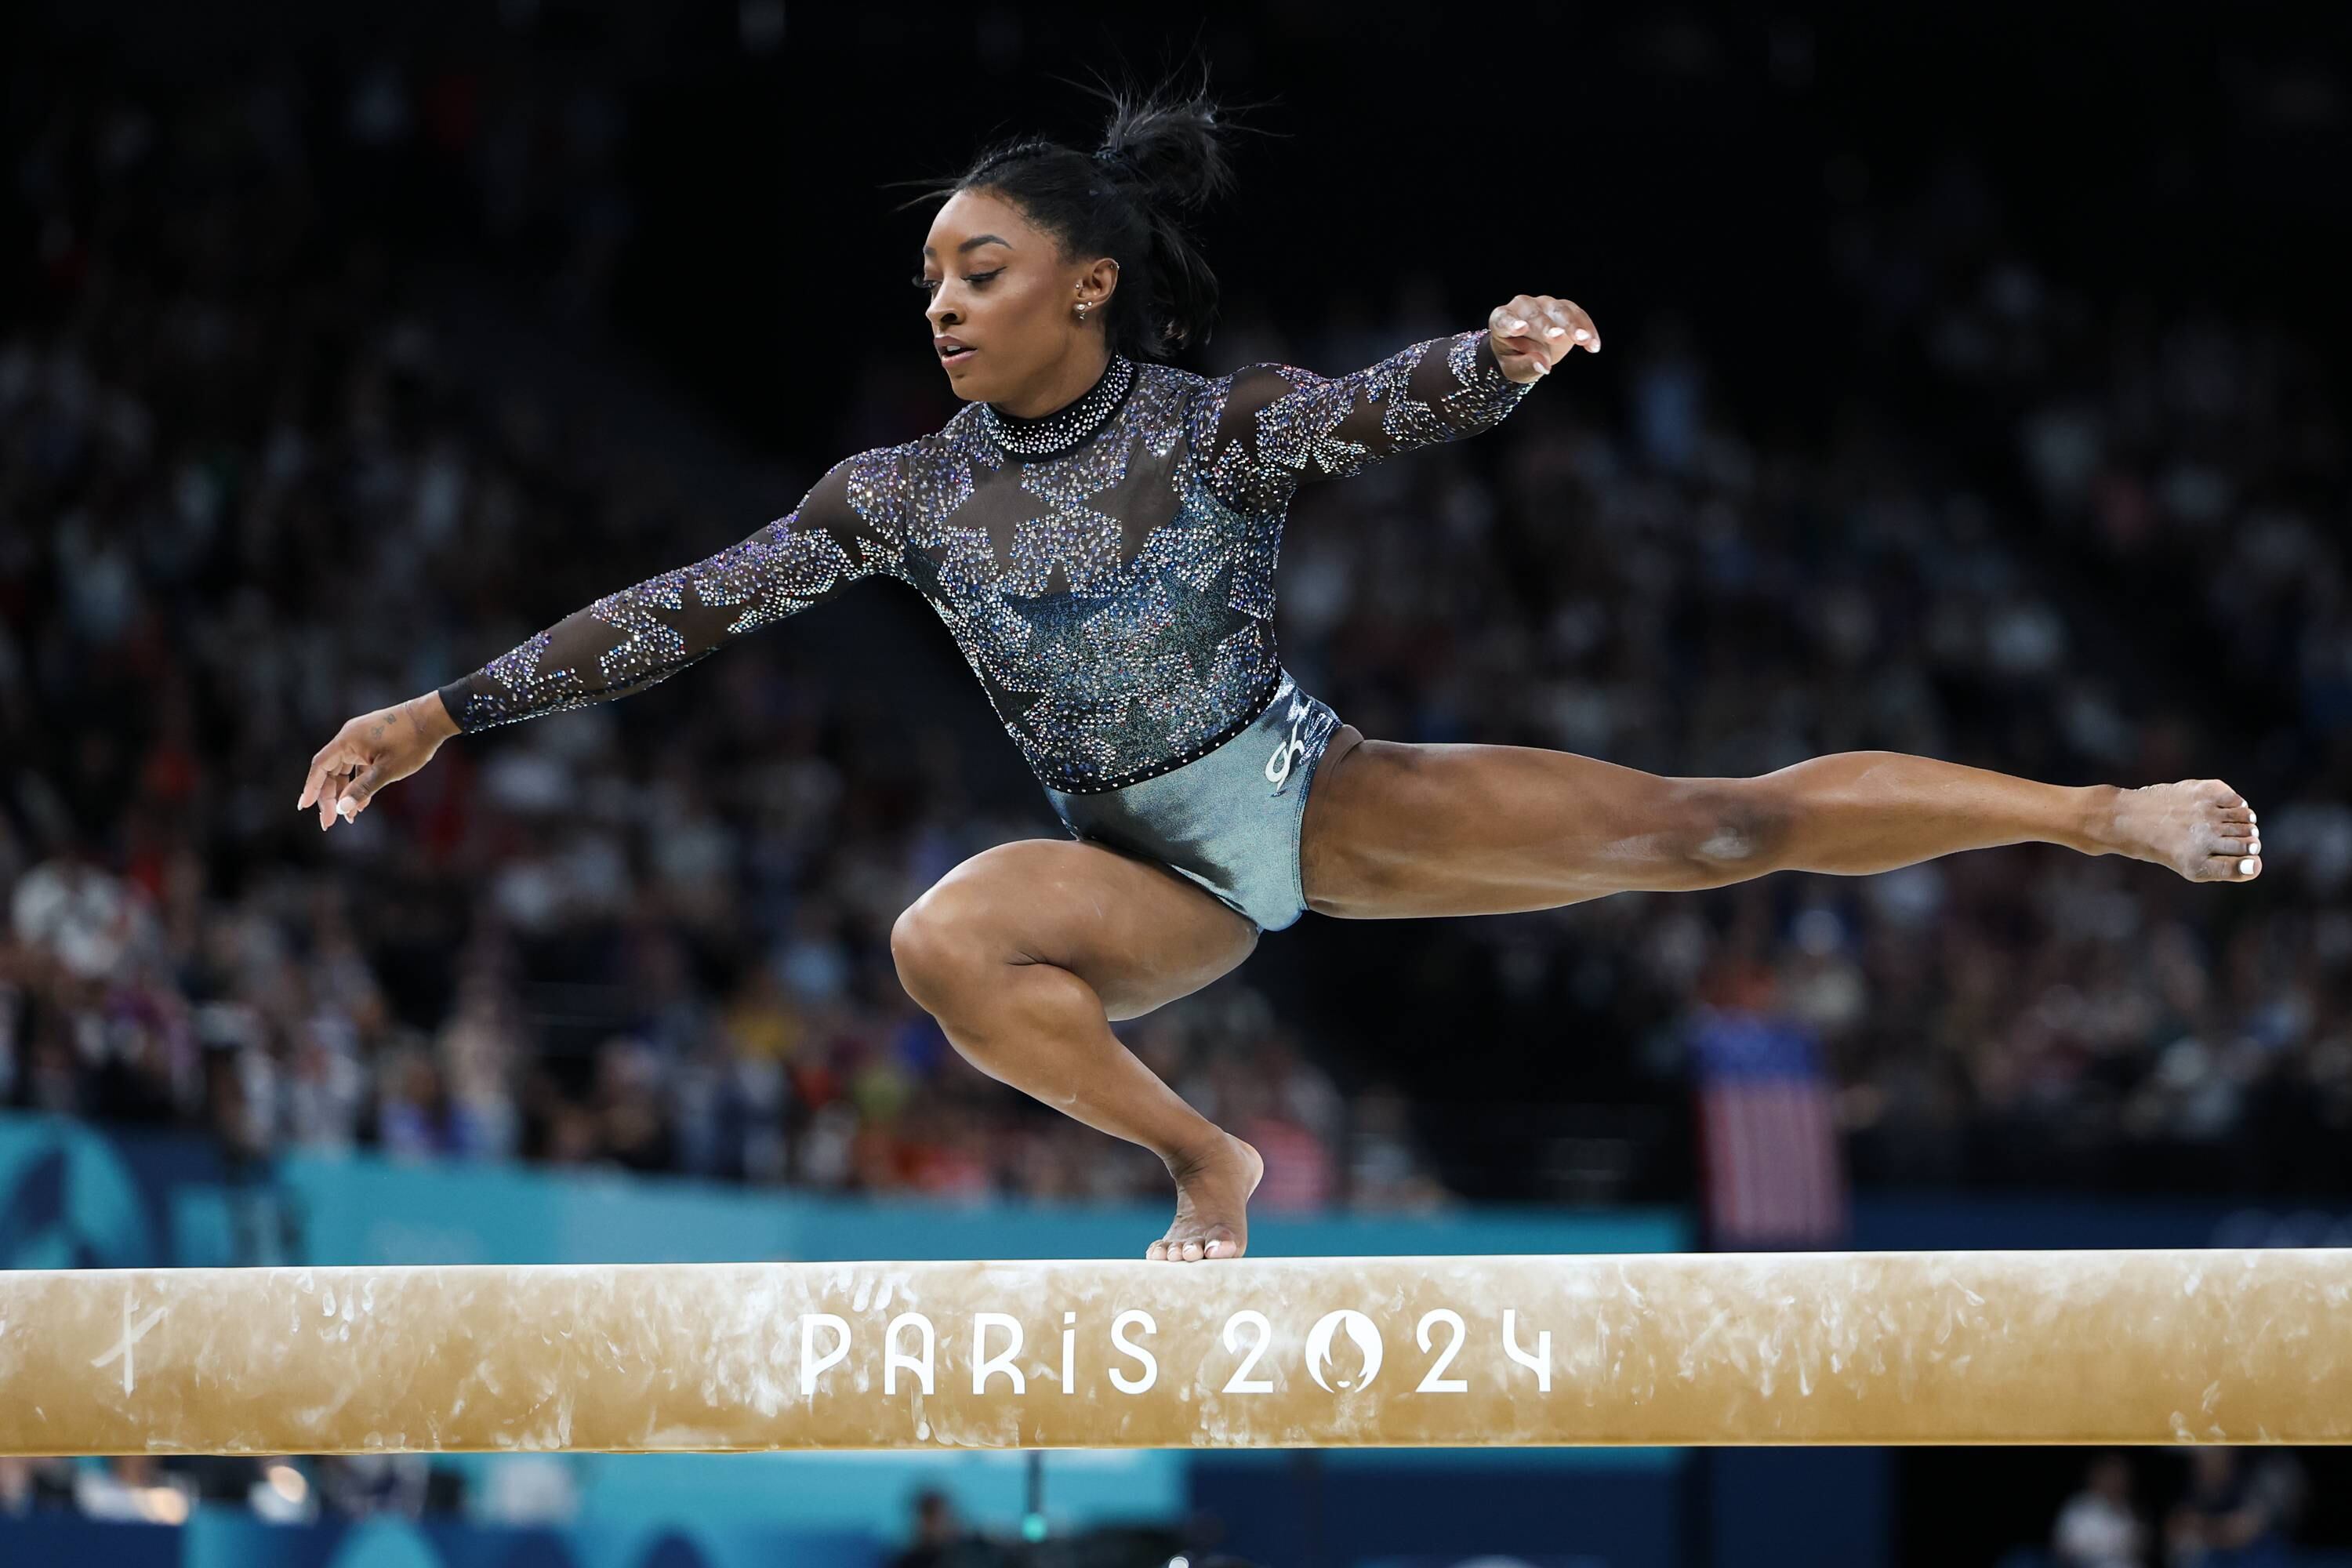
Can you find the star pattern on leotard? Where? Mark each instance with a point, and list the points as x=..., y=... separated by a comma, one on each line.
x=1011, y=702
x=1078, y=543
x=921, y=571
x=1299, y=430
x=1405, y=420
x=1069, y=535
x=1202, y=619
x=778, y=571
x=1115, y=601
x=1059, y=625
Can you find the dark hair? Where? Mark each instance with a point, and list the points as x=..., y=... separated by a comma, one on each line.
x=1162, y=156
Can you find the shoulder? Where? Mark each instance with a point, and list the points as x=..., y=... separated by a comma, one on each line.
x=957, y=441
x=881, y=486
x=864, y=486
x=880, y=468
x=1239, y=394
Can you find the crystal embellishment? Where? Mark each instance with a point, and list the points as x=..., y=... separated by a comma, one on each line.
x=1067, y=426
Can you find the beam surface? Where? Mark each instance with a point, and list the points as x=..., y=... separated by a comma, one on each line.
x=2235, y=1346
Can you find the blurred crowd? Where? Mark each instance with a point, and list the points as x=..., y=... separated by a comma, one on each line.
x=142, y=1488
x=2081, y=543
x=247, y=493
x=2231, y=1509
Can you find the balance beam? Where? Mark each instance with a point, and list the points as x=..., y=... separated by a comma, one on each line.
x=2239, y=1346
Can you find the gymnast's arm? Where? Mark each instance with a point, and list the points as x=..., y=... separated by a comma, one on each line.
x=842, y=531
x=1266, y=428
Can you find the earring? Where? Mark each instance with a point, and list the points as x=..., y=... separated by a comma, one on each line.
x=1082, y=310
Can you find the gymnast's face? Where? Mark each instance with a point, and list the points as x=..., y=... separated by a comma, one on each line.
x=1002, y=287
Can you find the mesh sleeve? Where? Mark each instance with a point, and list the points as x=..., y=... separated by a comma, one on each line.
x=1266, y=428
x=845, y=528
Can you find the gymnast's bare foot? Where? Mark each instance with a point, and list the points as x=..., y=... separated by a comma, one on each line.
x=2200, y=828
x=1213, y=1192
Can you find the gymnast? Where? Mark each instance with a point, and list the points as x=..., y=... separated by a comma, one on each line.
x=1097, y=529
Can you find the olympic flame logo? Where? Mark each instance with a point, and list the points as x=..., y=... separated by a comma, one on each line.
x=1318, y=1350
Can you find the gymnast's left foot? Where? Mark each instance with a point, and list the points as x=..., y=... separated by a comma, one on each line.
x=1212, y=1194
x=2200, y=828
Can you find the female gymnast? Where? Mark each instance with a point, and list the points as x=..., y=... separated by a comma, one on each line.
x=1098, y=529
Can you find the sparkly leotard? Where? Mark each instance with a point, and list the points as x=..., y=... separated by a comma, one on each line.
x=1108, y=570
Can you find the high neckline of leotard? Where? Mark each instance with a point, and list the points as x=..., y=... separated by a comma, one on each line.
x=1051, y=434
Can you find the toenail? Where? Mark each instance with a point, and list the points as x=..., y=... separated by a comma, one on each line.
x=2246, y=867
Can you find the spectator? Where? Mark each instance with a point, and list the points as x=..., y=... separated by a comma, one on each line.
x=938, y=1538
x=2098, y=1527
x=2233, y=1515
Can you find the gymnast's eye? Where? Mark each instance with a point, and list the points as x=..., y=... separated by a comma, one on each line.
x=974, y=278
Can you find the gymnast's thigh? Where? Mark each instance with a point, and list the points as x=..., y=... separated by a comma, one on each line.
x=1132, y=928
x=1395, y=830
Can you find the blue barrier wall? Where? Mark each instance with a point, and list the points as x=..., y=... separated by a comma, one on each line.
x=230, y=1537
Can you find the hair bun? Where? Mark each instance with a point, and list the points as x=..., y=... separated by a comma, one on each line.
x=1161, y=156
x=1171, y=142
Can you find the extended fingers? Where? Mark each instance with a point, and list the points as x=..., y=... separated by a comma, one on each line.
x=317, y=777
x=1580, y=331
x=324, y=788
x=319, y=790
x=1565, y=326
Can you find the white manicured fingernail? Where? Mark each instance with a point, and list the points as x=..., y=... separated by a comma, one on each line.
x=1554, y=331
x=1581, y=335
x=1518, y=326
x=343, y=808
x=2246, y=868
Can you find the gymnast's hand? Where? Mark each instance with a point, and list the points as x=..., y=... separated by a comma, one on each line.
x=1534, y=332
x=371, y=752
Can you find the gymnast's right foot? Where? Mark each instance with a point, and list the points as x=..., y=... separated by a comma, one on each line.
x=1213, y=1192
x=2200, y=828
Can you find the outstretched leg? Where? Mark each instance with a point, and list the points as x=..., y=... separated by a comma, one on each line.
x=1026, y=952
x=1398, y=830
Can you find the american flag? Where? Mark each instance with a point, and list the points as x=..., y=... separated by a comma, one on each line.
x=1774, y=1174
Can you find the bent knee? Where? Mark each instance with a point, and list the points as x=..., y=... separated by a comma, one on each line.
x=967, y=925
x=1732, y=828
x=942, y=944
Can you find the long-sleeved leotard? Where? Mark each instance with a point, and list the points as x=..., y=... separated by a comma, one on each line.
x=1116, y=599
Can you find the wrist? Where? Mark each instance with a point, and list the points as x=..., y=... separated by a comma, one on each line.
x=2094, y=810
x=1490, y=351
x=431, y=716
